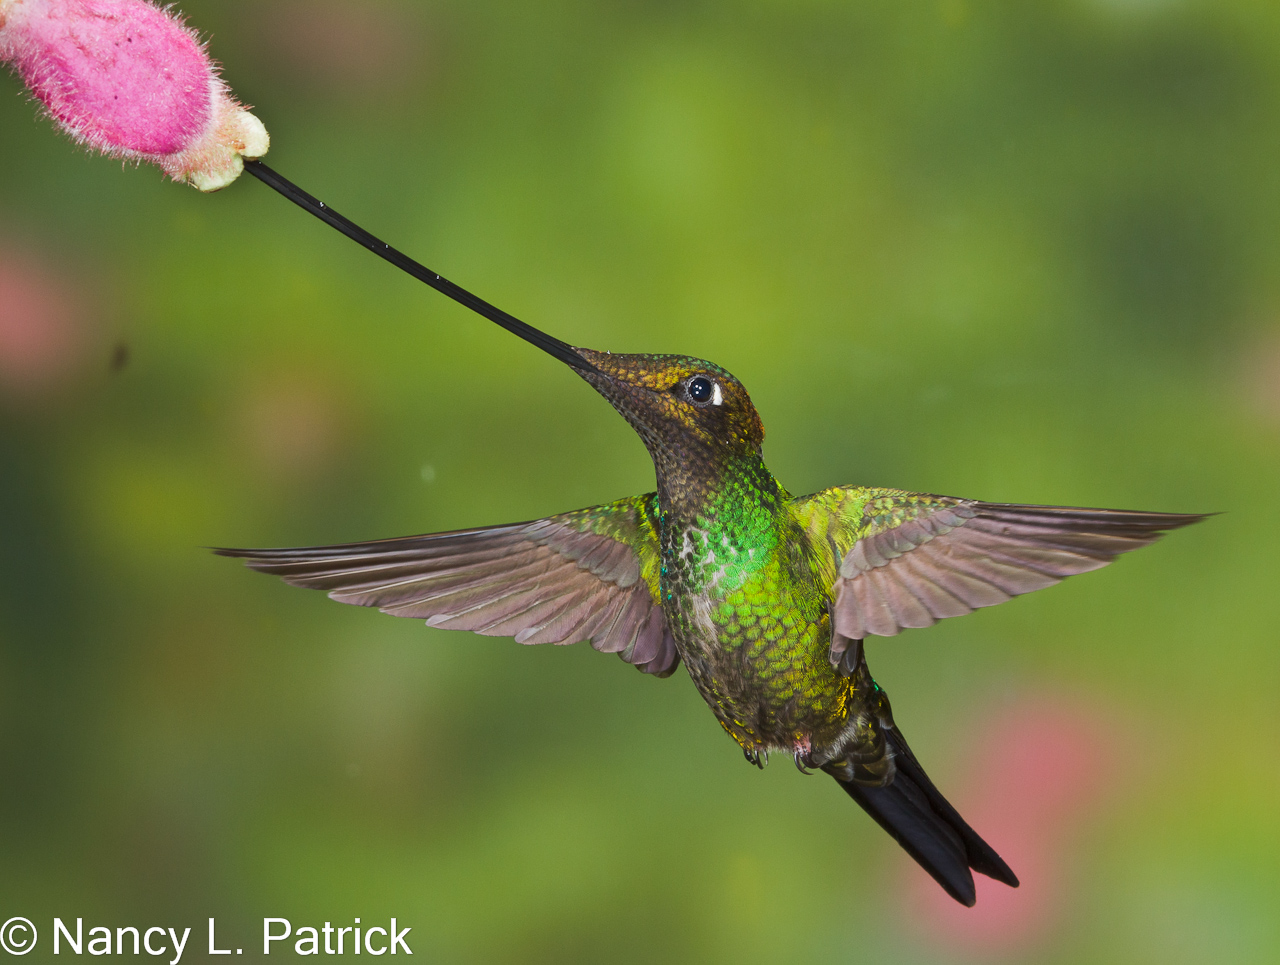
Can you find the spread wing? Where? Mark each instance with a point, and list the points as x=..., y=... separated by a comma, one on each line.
x=586, y=575
x=908, y=559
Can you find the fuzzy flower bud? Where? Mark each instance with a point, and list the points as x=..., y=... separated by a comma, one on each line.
x=131, y=80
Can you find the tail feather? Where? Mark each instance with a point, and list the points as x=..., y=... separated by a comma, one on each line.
x=923, y=822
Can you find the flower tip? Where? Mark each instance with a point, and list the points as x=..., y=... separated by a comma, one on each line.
x=128, y=78
x=209, y=181
x=212, y=165
x=254, y=140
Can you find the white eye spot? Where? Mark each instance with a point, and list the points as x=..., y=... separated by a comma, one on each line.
x=717, y=397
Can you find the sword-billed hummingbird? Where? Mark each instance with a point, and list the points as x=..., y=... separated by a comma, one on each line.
x=765, y=597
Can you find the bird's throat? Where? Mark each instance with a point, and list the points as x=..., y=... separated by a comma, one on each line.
x=732, y=493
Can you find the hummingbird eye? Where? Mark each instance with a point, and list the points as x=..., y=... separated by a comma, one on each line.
x=700, y=389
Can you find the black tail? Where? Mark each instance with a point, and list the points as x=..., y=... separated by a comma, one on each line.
x=929, y=829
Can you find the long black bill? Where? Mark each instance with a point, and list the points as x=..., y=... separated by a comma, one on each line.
x=552, y=346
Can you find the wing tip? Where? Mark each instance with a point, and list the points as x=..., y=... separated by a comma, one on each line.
x=1153, y=521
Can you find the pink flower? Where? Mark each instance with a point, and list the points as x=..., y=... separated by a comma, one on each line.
x=1043, y=769
x=45, y=328
x=129, y=79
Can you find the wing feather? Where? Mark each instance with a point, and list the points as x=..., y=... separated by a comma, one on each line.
x=588, y=575
x=908, y=560
x=564, y=626
x=597, y=631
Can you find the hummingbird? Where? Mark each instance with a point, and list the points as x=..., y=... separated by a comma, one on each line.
x=766, y=598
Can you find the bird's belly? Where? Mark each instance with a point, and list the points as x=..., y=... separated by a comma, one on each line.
x=764, y=671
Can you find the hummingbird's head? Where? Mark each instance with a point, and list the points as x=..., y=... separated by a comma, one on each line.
x=685, y=409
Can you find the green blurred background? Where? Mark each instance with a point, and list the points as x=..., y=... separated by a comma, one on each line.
x=1017, y=251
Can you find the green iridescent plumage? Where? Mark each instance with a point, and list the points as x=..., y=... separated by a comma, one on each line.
x=765, y=597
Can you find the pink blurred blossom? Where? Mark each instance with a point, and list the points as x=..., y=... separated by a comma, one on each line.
x=1040, y=771
x=130, y=80
x=1262, y=376
x=44, y=336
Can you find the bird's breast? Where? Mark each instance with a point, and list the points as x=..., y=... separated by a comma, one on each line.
x=755, y=640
